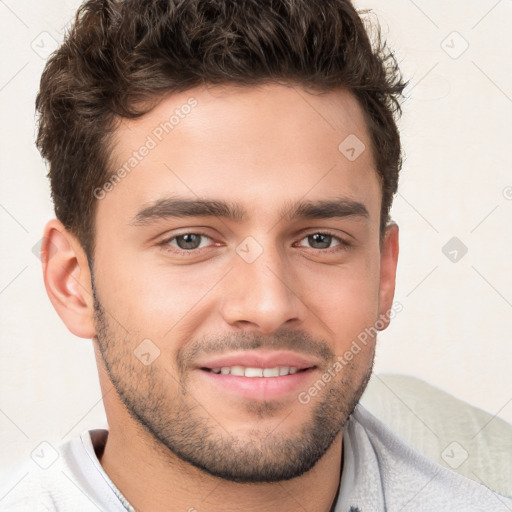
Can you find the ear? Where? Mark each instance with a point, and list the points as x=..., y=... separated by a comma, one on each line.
x=67, y=279
x=388, y=262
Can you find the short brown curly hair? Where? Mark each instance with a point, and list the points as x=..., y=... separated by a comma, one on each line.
x=121, y=57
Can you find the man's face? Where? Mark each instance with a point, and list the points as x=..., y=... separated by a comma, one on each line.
x=280, y=269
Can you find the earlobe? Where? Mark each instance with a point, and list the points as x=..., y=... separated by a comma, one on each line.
x=67, y=279
x=388, y=263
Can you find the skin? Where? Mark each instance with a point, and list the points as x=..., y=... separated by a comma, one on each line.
x=262, y=148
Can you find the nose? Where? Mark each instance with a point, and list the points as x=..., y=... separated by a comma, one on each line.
x=259, y=295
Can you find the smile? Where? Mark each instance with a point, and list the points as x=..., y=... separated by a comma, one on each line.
x=248, y=371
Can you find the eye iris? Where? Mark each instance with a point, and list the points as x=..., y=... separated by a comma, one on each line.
x=188, y=241
x=320, y=241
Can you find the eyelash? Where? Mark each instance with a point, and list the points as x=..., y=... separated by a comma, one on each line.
x=343, y=244
x=164, y=244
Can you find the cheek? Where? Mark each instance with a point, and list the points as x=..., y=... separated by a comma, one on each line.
x=347, y=314
x=151, y=298
x=345, y=298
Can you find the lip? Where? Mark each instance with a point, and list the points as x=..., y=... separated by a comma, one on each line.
x=260, y=359
x=259, y=388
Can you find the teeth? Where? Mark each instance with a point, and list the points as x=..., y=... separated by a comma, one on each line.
x=271, y=372
x=242, y=371
x=254, y=372
x=237, y=370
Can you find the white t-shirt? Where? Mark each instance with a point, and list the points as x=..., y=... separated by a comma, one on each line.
x=381, y=473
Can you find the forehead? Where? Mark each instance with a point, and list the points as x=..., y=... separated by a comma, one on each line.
x=256, y=146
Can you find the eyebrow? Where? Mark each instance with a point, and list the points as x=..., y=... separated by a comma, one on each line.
x=182, y=207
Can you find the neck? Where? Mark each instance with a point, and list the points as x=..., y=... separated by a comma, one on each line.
x=153, y=479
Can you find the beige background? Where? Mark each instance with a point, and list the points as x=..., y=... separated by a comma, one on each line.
x=455, y=327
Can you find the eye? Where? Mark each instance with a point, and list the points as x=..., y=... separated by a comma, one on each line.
x=187, y=241
x=322, y=241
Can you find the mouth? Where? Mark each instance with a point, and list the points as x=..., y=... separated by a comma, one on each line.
x=254, y=372
x=258, y=375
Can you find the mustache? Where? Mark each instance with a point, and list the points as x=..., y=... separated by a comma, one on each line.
x=295, y=341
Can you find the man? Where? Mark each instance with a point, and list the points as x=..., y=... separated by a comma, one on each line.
x=222, y=173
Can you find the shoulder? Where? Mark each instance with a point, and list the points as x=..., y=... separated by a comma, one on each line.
x=24, y=487
x=409, y=480
x=55, y=479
